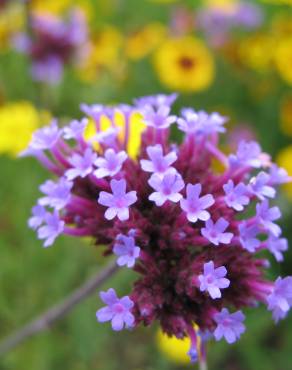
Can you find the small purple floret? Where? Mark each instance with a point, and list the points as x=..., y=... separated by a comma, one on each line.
x=111, y=164
x=277, y=246
x=126, y=250
x=167, y=188
x=158, y=162
x=194, y=205
x=214, y=232
x=213, y=280
x=75, y=130
x=52, y=228
x=159, y=119
x=229, y=325
x=247, y=236
x=259, y=186
x=38, y=217
x=266, y=216
x=117, y=310
x=280, y=299
x=236, y=196
x=58, y=194
x=119, y=201
x=82, y=164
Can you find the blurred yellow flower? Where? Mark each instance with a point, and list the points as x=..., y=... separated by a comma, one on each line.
x=11, y=21
x=136, y=128
x=226, y=6
x=284, y=159
x=256, y=51
x=174, y=349
x=105, y=52
x=142, y=42
x=286, y=115
x=184, y=64
x=283, y=59
x=17, y=123
x=58, y=7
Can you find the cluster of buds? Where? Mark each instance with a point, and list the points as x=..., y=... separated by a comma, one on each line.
x=191, y=233
x=53, y=43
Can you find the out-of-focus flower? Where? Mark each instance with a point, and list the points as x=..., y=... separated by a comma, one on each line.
x=284, y=159
x=12, y=20
x=142, y=42
x=17, y=123
x=283, y=57
x=184, y=64
x=54, y=44
x=105, y=54
x=286, y=115
x=256, y=51
x=61, y=6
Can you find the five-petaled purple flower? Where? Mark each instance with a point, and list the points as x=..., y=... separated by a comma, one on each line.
x=213, y=279
x=160, y=118
x=248, y=154
x=214, y=232
x=247, y=236
x=111, y=164
x=46, y=137
x=117, y=310
x=194, y=205
x=119, y=201
x=38, y=217
x=82, y=164
x=167, y=188
x=278, y=175
x=75, y=130
x=126, y=250
x=260, y=187
x=277, y=246
x=158, y=162
x=267, y=215
x=236, y=196
x=58, y=194
x=229, y=325
x=280, y=299
x=52, y=228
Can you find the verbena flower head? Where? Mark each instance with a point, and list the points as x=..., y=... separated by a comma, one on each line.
x=191, y=234
x=53, y=43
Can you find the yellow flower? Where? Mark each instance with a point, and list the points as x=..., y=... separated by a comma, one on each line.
x=142, y=42
x=286, y=115
x=283, y=59
x=284, y=159
x=256, y=52
x=184, y=64
x=174, y=349
x=104, y=52
x=226, y=6
x=17, y=123
x=12, y=20
x=136, y=129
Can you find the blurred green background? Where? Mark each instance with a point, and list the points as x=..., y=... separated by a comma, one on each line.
x=249, y=84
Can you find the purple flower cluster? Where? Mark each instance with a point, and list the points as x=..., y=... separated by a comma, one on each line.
x=191, y=235
x=52, y=44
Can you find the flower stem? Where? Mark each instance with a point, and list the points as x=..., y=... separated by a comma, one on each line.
x=203, y=365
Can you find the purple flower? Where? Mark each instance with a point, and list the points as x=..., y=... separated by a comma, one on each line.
x=248, y=154
x=126, y=250
x=38, y=217
x=46, y=137
x=57, y=194
x=266, y=216
x=201, y=122
x=111, y=164
x=49, y=70
x=278, y=175
x=193, y=355
x=213, y=280
x=156, y=100
x=167, y=188
x=82, y=164
x=117, y=310
x=94, y=111
x=229, y=325
x=276, y=246
x=194, y=205
x=107, y=137
x=247, y=236
x=158, y=162
x=280, y=299
x=159, y=119
x=52, y=228
x=119, y=201
x=214, y=123
x=215, y=232
x=236, y=196
x=259, y=186
x=75, y=130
